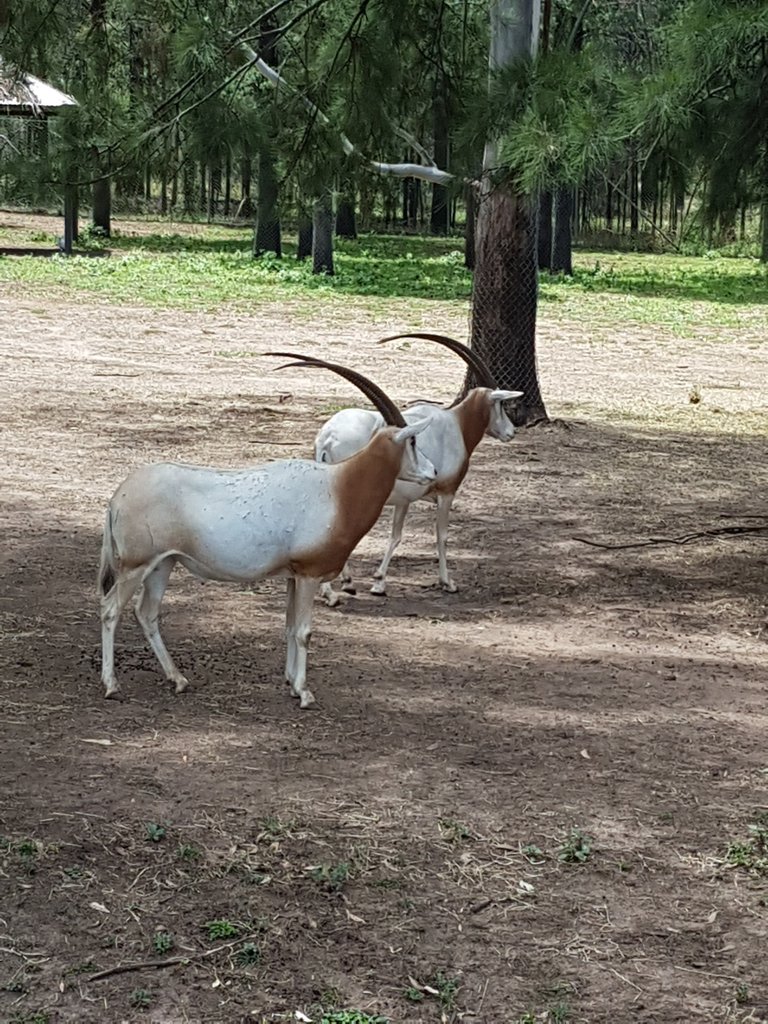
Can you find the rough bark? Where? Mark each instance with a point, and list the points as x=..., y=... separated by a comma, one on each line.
x=545, y=231
x=438, y=219
x=102, y=205
x=469, y=231
x=764, y=208
x=505, y=284
x=562, y=246
x=304, y=247
x=322, y=236
x=504, y=296
x=267, y=236
x=246, y=173
x=346, y=222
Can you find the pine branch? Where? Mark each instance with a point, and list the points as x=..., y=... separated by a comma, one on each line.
x=432, y=174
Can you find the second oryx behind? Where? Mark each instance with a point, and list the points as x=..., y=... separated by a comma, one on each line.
x=291, y=517
x=448, y=441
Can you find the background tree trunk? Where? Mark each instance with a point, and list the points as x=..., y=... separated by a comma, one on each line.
x=505, y=284
x=545, y=231
x=346, y=223
x=504, y=296
x=562, y=247
x=102, y=205
x=438, y=220
x=304, y=247
x=471, y=226
x=267, y=236
x=322, y=236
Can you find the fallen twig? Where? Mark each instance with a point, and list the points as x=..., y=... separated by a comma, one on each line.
x=171, y=961
x=686, y=538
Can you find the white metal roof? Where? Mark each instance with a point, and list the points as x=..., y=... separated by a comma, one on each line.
x=21, y=93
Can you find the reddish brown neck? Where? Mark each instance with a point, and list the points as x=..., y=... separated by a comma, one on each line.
x=364, y=483
x=474, y=415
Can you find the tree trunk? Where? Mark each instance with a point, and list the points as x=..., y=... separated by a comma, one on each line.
x=304, y=248
x=188, y=187
x=203, y=185
x=346, y=223
x=322, y=236
x=634, y=197
x=562, y=247
x=504, y=295
x=545, y=231
x=267, y=237
x=227, y=183
x=764, y=209
x=246, y=206
x=505, y=284
x=471, y=226
x=438, y=220
x=102, y=205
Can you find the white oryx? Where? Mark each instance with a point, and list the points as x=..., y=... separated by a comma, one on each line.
x=292, y=517
x=452, y=435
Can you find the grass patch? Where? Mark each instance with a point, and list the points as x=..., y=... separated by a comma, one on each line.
x=209, y=267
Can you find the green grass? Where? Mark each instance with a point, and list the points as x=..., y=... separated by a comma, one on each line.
x=211, y=267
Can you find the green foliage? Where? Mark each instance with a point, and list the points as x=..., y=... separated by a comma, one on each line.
x=752, y=853
x=140, y=999
x=248, y=955
x=156, y=833
x=163, y=942
x=189, y=852
x=576, y=848
x=351, y=1017
x=222, y=929
x=332, y=876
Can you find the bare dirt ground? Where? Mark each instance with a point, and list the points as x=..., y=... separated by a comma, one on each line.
x=383, y=842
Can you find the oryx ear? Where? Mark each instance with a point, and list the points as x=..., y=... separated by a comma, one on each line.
x=413, y=428
x=505, y=396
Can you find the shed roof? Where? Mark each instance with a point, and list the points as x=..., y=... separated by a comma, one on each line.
x=26, y=96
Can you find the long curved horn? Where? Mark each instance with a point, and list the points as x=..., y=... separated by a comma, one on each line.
x=472, y=359
x=373, y=392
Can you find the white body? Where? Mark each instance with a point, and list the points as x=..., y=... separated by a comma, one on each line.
x=448, y=442
x=292, y=518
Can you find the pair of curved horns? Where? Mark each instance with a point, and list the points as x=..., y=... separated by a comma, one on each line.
x=372, y=392
x=485, y=378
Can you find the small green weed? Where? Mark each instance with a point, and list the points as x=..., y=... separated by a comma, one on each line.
x=189, y=852
x=414, y=995
x=274, y=827
x=742, y=994
x=559, y=1014
x=162, y=942
x=248, y=955
x=140, y=999
x=33, y=1017
x=351, y=1017
x=86, y=967
x=454, y=831
x=533, y=853
x=441, y=986
x=576, y=848
x=18, y=984
x=156, y=833
x=222, y=929
x=332, y=876
x=752, y=853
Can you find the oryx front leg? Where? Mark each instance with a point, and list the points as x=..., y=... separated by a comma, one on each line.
x=398, y=518
x=444, y=502
x=112, y=605
x=148, y=615
x=301, y=595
